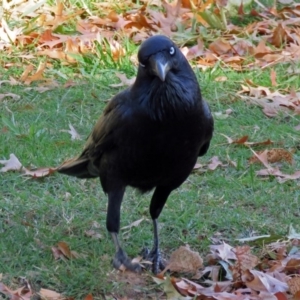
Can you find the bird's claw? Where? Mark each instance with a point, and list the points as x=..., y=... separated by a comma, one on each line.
x=154, y=256
x=121, y=258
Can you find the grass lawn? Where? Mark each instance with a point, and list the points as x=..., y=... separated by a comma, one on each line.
x=228, y=203
x=36, y=214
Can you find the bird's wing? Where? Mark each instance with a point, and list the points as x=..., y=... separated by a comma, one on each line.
x=209, y=124
x=100, y=140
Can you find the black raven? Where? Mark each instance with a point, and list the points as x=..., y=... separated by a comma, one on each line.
x=148, y=136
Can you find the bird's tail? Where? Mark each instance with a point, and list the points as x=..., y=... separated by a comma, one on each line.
x=78, y=167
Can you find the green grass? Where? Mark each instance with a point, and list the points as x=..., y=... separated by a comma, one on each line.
x=36, y=214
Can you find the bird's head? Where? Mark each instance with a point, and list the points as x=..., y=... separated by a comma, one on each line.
x=157, y=56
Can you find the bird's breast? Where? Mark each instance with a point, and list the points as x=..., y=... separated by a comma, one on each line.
x=153, y=151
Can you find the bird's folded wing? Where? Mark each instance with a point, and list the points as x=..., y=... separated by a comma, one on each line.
x=100, y=140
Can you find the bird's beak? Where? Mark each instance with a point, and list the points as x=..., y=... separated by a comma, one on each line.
x=160, y=66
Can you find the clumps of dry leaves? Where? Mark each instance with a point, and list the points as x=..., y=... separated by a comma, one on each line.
x=272, y=102
x=272, y=39
x=228, y=273
x=236, y=273
x=271, y=159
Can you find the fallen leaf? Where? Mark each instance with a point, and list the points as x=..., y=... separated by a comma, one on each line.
x=12, y=164
x=50, y=295
x=221, y=79
x=273, y=155
x=263, y=282
x=273, y=77
x=89, y=297
x=185, y=260
x=9, y=95
x=133, y=224
x=171, y=291
x=124, y=80
x=73, y=132
x=65, y=249
x=38, y=75
x=241, y=140
x=294, y=285
x=245, y=260
x=224, y=252
x=262, y=157
x=93, y=234
x=214, y=163
x=220, y=46
x=39, y=172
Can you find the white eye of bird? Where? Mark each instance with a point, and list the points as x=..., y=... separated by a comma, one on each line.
x=172, y=50
x=142, y=65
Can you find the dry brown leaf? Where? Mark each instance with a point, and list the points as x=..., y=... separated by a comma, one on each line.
x=133, y=224
x=273, y=77
x=124, y=80
x=279, y=36
x=244, y=141
x=221, y=79
x=263, y=282
x=224, y=252
x=273, y=155
x=185, y=260
x=74, y=134
x=93, y=234
x=12, y=164
x=9, y=95
x=263, y=158
x=36, y=76
x=261, y=49
x=57, y=54
x=197, y=166
x=65, y=249
x=215, y=163
x=171, y=291
x=89, y=297
x=22, y=293
x=245, y=260
x=220, y=46
x=294, y=285
x=39, y=172
x=60, y=17
x=241, y=140
x=11, y=81
x=195, y=51
x=57, y=253
x=222, y=115
x=281, y=177
x=46, y=294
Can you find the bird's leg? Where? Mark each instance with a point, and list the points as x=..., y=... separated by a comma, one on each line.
x=113, y=226
x=154, y=255
x=158, y=201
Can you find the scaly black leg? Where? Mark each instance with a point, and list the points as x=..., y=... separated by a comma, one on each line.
x=113, y=226
x=158, y=201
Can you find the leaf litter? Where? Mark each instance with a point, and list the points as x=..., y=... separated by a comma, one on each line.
x=271, y=39
x=13, y=164
x=228, y=273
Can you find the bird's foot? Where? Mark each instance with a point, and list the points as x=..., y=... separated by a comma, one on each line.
x=121, y=258
x=154, y=256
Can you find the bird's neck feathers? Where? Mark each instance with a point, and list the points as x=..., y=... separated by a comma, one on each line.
x=174, y=98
